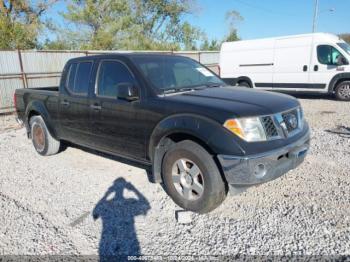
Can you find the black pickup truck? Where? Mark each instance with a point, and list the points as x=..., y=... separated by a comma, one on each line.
x=197, y=136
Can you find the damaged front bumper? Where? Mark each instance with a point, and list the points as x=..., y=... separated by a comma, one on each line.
x=260, y=168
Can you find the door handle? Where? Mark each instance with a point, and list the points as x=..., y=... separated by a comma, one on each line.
x=305, y=68
x=316, y=68
x=65, y=103
x=96, y=107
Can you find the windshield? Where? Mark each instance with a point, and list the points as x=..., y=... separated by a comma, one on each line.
x=175, y=73
x=345, y=47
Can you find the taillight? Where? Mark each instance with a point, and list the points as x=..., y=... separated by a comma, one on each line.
x=14, y=100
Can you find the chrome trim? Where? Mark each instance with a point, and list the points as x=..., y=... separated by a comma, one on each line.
x=19, y=121
x=281, y=126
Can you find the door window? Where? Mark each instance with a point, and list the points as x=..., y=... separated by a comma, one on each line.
x=71, y=77
x=111, y=74
x=79, y=78
x=328, y=55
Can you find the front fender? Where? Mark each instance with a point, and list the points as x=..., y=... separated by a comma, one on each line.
x=38, y=108
x=209, y=132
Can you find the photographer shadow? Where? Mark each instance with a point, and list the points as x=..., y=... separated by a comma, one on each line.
x=119, y=238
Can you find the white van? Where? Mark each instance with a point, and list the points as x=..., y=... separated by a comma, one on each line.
x=304, y=63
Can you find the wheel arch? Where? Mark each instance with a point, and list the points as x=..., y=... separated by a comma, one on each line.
x=245, y=79
x=179, y=128
x=336, y=80
x=36, y=108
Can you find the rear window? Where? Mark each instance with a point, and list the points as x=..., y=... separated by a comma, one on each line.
x=79, y=78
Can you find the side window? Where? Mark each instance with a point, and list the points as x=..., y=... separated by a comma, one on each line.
x=112, y=73
x=78, y=78
x=328, y=55
x=82, y=79
x=71, y=77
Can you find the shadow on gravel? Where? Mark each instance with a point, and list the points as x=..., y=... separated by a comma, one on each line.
x=301, y=95
x=133, y=163
x=109, y=156
x=342, y=131
x=312, y=96
x=118, y=238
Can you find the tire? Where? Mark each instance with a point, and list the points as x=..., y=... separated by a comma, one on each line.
x=342, y=91
x=42, y=140
x=244, y=84
x=184, y=190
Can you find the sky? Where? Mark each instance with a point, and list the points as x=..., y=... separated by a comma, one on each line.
x=268, y=18
x=262, y=18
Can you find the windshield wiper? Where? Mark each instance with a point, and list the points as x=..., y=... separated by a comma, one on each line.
x=177, y=90
x=211, y=84
x=193, y=88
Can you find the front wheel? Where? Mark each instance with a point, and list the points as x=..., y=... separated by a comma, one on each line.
x=192, y=178
x=44, y=143
x=342, y=91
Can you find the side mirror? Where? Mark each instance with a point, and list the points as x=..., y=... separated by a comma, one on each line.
x=341, y=60
x=344, y=61
x=128, y=92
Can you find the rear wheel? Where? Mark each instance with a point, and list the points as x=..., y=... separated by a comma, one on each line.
x=192, y=178
x=342, y=91
x=44, y=143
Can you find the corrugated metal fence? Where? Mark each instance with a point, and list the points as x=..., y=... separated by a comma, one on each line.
x=24, y=68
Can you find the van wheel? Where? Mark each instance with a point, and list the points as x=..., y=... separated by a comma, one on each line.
x=244, y=84
x=43, y=141
x=342, y=91
x=191, y=177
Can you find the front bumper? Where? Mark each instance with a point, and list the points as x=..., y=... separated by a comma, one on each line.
x=261, y=168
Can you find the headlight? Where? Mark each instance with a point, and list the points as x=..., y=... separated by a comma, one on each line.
x=250, y=129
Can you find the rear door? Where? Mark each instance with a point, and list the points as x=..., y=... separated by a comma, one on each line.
x=292, y=64
x=114, y=122
x=74, y=106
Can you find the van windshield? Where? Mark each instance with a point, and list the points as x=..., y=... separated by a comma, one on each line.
x=345, y=47
x=173, y=73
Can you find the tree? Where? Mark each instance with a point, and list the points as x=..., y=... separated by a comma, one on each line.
x=232, y=17
x=213, y=45
x=345, y=37
x=232, y=36
x=133, y=24
x=21, y=22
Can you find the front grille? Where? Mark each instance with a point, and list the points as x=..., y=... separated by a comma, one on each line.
x=284, y=124
x=291, y=120
x=270, y=128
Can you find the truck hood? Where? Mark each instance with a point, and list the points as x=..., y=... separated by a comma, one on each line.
x=239, y=101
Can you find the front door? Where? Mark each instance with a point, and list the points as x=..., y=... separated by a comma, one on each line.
x=327, y=62
x=114, y=121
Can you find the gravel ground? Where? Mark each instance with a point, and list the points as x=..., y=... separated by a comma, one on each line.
x=78, y=202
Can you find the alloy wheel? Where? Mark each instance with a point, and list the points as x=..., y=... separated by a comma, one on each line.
x=188, y=179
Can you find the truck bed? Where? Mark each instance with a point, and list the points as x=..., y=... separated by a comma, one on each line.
x=47, y=95
x=39, y=89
